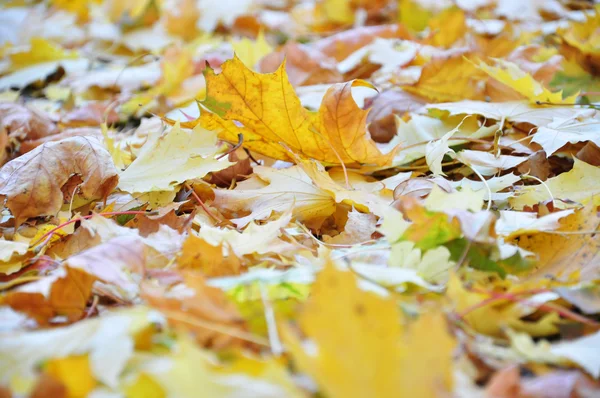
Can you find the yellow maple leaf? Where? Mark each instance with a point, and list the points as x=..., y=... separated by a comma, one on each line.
x=75, y=373
x=448, y=80
x=40, y=50
x=514, y=77
x=178, y=83
x=562, y=255
x=447, y=27
x=384, y=359
x=335, y=11
x=581, y=40
x=413, y=15
x=272, y=116
x=251, y=51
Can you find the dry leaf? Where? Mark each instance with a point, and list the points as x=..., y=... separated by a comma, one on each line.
x=561, y=255
x=382, y=363
x=451, y=79
x=336, y=134
x=66, y=293
x=198, y=254
x=202, y=309
x=32, y=184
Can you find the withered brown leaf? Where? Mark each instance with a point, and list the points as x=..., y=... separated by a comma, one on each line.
x=31, y=184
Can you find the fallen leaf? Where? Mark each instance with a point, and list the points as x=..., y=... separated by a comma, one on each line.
x=65, y=292
x=577, y=185
x=561, y=255
x=358, y=229
x=332, y=356
x=74, y=372
x=381, y=120
x=32, y=183
x=448, y=79
x=196, y=253
x=276, y=190
x=25, y=123
x=583, y=351
x=512, y=111
x=200, y=308
x=336, y=134
x=511, y=75
x=250, y=52
x=108, y=341
x=563, y=131
x=194, y=151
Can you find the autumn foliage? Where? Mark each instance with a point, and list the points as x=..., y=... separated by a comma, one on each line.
x=327, y=198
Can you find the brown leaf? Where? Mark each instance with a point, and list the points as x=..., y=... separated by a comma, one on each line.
x=32, y=183
x=381, y=119
x=91, y=114
x=590, y=153
x=304, y=65
x=68, y=292
x=536, y=165
x=29, y=145
x=207, y=312
x=24, y=123
x=198, y=254
x=238, y=172
x=150, y=224
x=48, y=386
x=342, y=44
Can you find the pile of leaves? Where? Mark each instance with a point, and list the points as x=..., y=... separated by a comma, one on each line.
x=331, y=198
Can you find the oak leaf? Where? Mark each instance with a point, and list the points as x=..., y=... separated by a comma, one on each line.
x=32, y=183
x=271, y=113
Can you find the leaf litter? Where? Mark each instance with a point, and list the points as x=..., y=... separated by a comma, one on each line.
x=326, y=198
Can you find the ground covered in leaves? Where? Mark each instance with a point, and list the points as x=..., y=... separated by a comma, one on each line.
x=336, y=198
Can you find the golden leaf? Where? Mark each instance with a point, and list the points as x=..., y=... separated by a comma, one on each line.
x=271, y=113
x=514, y=77
x=451, y=79
x=40, y=50
x=196, y=253
x=562, y=255
x=447, y=27
x=75, y=373
x=385, y=359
